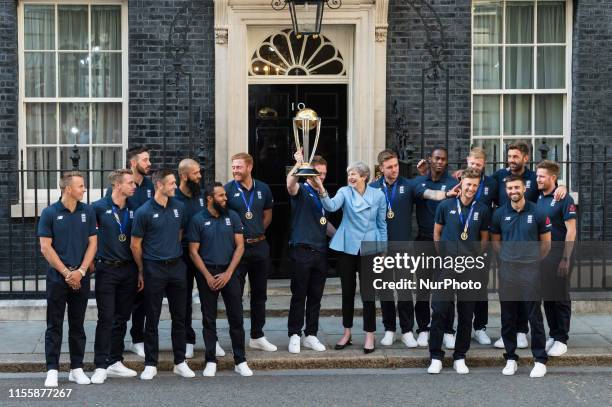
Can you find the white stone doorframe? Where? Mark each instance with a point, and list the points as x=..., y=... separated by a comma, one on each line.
x=367, y=95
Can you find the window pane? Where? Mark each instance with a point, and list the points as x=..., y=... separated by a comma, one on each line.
x=72, y=27
x=519, y=68
x=39, y=26
x=106, y=74
x=491, y=147
x=106, y=27
x=555, y=149
x=486, y=115
x=42, y=159
x=519, y=22
x=106, y=123
x=549, y=114
x=74, y=71
x=488, y=22
x=66, y=161
x=487, y=68
x=41, y=123
x=551, y=67
x=39, y=74
x=74, y=123
x=551, y=22
x=517, y=114
x=104, y=158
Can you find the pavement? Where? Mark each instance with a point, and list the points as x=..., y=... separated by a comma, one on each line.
x=562, y=386
x=22, y=347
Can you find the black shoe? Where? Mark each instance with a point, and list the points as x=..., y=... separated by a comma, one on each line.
x=348, y=343
x=367, y=351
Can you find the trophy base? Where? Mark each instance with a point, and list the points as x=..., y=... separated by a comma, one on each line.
x=306, y=172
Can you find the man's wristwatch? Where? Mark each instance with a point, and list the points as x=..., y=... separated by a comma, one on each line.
x=83, y=272
x=323, y=194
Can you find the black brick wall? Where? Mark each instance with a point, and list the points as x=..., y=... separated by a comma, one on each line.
x=149, y=26
x=406, y=57
x=592, y=112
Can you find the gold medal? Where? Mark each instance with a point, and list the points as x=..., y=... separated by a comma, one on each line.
x=464, y=236
x=323, y=220
x=122, y=237
x=390, y=214
x=249, y=215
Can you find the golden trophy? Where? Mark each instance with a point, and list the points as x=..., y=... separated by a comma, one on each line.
x=304, y=121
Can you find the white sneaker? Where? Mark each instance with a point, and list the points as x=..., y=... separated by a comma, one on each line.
x=423, y=339
x=243, y=369
x=499, y=344
x=549, y=343
x=210, y=370
x=99, y=376
x=78, y=376
x=118, y=369
x=182, y=369
x=521, y=340
x=388, y=339
x=262, y=344
x=558, y=349
x=449, y=341
x=188, y=351
x=219, y=352
x=510, y=368
x=539, y=370
x=51, y=380
x=460, y=366
x=409, y=341
x=137, y=348
x=481, y=337
x=148, y=373
x=294, y=344
x=435, y=367
x=312, y=342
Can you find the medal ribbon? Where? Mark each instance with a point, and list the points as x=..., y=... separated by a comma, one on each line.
x=467, y=221
x=242, y=194
x=315, y=198
x=122, y=225
x=389, y=200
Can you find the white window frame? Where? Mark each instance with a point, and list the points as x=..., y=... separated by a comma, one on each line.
x=29, y=194
x=566, y=91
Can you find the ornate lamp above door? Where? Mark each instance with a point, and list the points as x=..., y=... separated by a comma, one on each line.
x=306, y=15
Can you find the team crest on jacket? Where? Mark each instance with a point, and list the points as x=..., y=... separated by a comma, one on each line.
x=401, y=189
x=530, y=219
x=176, y=213
x=83, y=218
x=258, y=194
x=228, y=222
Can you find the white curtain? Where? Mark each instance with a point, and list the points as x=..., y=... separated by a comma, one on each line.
x=488, y=22
x=519, y=23
x=551, y=22
x=106, y=27
x=39, y=27
x=106, y=74
x=549, y=115
x=487, y=68
x=517, y=114
x=486, y=115
x=551, y=67
x=106, y=122
x=519, y=68
x=74, y=123
x=72, y=27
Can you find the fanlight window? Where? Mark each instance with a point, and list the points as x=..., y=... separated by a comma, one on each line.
x=285, y=54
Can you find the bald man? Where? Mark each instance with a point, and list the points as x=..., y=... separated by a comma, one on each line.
x=190, y=194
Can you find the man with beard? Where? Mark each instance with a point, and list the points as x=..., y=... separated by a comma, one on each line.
x=308, y=253
x=67, y=234
x=252, y=200
x=460, y=224
x=140, y=164
x=555, y=267
x=156, y=247
x=216, y=245
x=190, y=194
x=517, y=224
x=428, y=188
x=518, y=156
x=116, y=276
x=399, y=195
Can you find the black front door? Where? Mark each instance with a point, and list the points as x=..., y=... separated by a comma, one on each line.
x=271, y=143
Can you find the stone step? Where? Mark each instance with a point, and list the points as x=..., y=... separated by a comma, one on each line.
x=279, y=296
